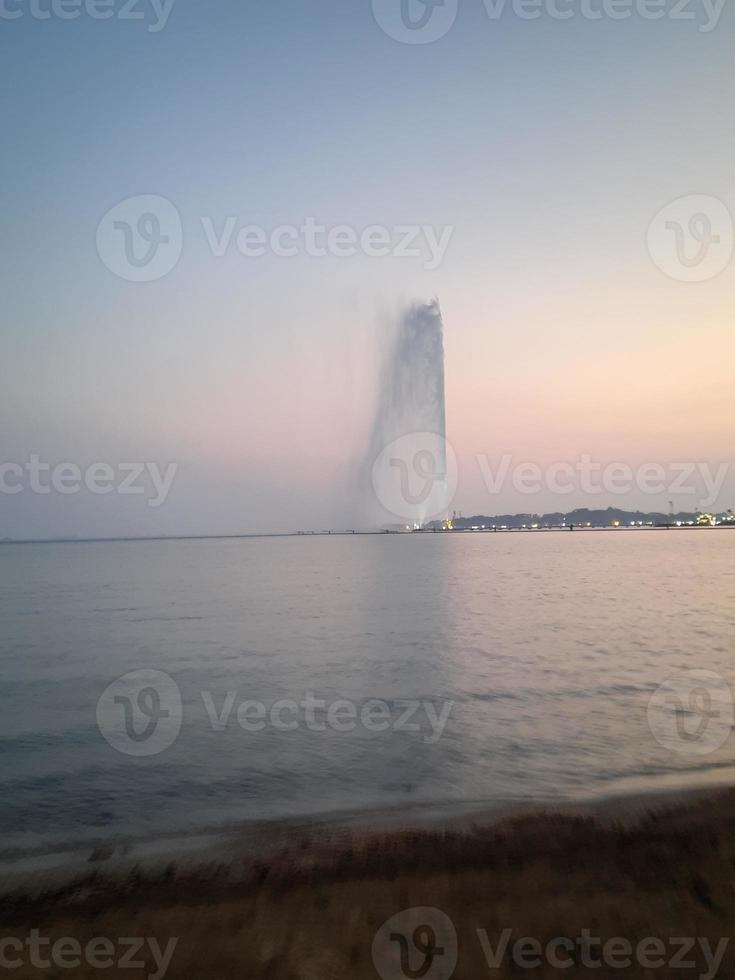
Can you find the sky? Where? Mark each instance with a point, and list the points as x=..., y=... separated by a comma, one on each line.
x=577, y=180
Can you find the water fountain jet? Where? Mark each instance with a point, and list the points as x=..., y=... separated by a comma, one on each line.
x=411, y=475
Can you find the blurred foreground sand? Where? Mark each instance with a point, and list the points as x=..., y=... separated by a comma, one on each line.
x=310, y=910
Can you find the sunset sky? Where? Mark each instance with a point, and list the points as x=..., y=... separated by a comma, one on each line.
x=547, y=147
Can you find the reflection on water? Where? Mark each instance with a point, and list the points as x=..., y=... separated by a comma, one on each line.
x=548, y=646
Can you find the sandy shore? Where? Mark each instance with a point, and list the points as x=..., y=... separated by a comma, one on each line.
x=641, y=870
x=36, y=870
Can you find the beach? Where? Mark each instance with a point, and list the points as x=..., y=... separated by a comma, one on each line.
x=581, y=884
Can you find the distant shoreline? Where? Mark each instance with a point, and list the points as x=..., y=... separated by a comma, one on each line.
x=254, y=535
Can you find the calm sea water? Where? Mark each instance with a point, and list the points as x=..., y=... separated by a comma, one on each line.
x=549, y=646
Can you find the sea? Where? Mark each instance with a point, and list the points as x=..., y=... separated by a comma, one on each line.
x=166, y=689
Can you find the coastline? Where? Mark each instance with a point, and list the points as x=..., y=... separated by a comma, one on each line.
x=33, y=871
x=375, y=532
x=314, y=906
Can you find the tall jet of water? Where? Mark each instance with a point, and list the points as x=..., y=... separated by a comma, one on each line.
x=409, y=475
